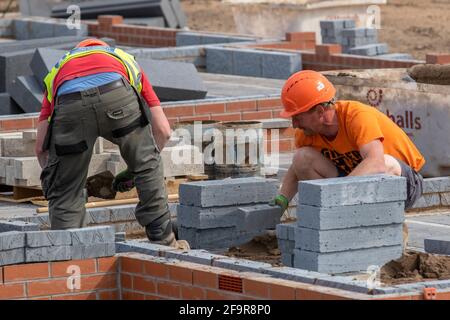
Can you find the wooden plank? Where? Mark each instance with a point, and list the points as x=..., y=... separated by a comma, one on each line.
x=20, y=193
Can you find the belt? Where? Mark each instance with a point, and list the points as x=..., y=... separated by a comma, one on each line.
x=102, y=89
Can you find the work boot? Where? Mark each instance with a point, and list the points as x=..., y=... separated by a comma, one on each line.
x=168, y=240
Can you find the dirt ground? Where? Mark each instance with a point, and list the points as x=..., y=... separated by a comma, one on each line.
x=408, y=26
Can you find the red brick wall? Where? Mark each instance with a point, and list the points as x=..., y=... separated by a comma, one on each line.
x=48, y=280
x=140, y=36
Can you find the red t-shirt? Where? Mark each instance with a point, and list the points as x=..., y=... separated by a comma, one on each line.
x=90, y=64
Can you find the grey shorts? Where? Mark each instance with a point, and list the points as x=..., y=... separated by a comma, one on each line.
x=414, y=184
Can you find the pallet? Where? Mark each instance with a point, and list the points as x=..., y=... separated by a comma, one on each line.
x=20, y=194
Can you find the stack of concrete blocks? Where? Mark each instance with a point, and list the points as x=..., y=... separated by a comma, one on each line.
x=436, y=193
x=357, y=41
x=286, y=242
x=348, y=224
x=56, y=245
x=8, y=106
x=252, y=63
x=6, y=30
x=224, y=213
x=197, y=38
x=170, y=10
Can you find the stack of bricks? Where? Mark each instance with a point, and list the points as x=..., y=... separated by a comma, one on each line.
x=349, y=224
x=356, y=41
x=223, y=213
x=55, y=245
x=286, y=242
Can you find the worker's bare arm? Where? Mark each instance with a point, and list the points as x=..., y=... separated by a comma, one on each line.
x=42, y=155
x=160, y=127
x=373, y=159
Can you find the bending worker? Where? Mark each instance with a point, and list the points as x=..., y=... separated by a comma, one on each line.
x=96, y=90
x=343, y=138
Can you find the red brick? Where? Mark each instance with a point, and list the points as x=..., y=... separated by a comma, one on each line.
x=192, y=293
x=227, y=117
x=108, y=295
x=12, y=291
x=205, y=279
x=222, y=295
x=255, y=288
x=438, y=58
x=17, y=124
x=59, y=269
x=106, y=281
x=49, y=287
x=281, y=292
x=131, y=295
x=257, y=115
x=196, y=118
x=126, y=281
x=77, y=296
x=300, y=36
x=178, y=111
x=328, y=49
x=241, y=106
x=131, y=265
x=142, y=284
x=210, y=108
x=180, y=274
x=169, y=289
x=26, y=272
x=157, y=270
x=269, y=104
x=107, y=265
x=109, y=20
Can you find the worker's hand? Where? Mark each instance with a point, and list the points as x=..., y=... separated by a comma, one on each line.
x=123, y=182
x=280, y=201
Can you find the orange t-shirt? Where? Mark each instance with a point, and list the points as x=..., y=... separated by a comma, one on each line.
x=360, y=124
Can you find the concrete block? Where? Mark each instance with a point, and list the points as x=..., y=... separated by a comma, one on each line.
x=348, y=239
x=98, y=215
x=219, y=60
x=11, y=240
x=352, y=190
x=12, y=65
x=371, y=32
x=445, y=199
x=123, y=213
x=13, y=256
x=207, y=218
x=258, y=217
x=247, y=63
x=139, y=247
x=92, y=235
x=43, y=61
x=286, y=246
x=17, y=147
x=228, y=192
x=182, y=160
x=434, y=185
x=287, y=259
x=27, y=168
x=195, y=256
x=173, y=81
x=8, y=106
x=349, y=24
x=354, y=32
x=346, y=261
x=96, y=250
x=47, y=238
x=120, y=236
x=27, y=93
x=350, y=216
x=288, y=273
x=437, y=246
x=40, y=43
x=279, y=65
x=396, y=56
x=427, y=201
x=51, y=253
x=240, y=265
x=148, y=22
x=17, y=225
x=382, y=48
x=332, y=24
x=366, y=50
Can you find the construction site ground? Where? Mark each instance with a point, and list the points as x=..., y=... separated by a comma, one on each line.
x=415, y=27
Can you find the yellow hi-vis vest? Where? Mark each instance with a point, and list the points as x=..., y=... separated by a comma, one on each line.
x=130, y=64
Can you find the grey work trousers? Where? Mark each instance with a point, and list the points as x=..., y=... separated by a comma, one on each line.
x=75, y=128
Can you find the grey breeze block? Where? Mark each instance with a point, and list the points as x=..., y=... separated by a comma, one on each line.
x=227, y=192
x=352, y=190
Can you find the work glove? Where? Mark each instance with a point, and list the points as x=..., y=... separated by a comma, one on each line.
x=123, y=182
x=280, y=201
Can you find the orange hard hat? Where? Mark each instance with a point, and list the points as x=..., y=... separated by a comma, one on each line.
x=304, y=90
x=92, y=42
